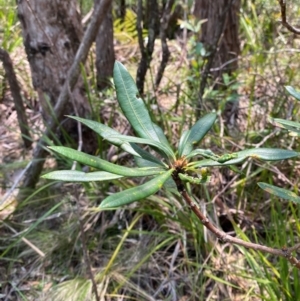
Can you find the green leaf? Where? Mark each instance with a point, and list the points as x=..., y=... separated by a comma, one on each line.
x=182, y=141
x=146, y=156
x=280, y=192
x=193, y=180
x=168, y=152
x=195, y=134
x=136, y=193
x=206, y=153
x=162, y=138
x=293, y=92
x=80, y=176
x=106, y=133
x=133, y=107
x=105, y=165
x=288, y=124
x=109, y=134
x=266, y=154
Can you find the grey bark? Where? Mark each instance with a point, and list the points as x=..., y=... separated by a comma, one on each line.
x=52, y=32
x=105, y=54
x=228, y=46
x=40, y=152
x=220, y=38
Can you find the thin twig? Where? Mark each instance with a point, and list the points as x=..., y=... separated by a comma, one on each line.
x=226, y=238
x=16, y=94
x=285, y=23
x=27, y=242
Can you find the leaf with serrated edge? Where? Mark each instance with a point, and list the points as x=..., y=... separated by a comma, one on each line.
x=133, y=107
x=196, y=133
x=80, y=176
x=280, y=192
x=136, y=193
x=105, y=165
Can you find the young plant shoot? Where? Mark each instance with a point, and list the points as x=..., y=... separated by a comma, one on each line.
x=181, y=165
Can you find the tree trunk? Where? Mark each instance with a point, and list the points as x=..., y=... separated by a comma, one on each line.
x=105, y=55
x=52, y=33
x=228, y=47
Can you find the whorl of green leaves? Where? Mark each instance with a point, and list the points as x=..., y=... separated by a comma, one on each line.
x=167, y=166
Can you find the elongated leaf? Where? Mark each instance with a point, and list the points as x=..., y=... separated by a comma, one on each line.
x=209, y=162
x=140, y=162
x=168, y=152
x=133, y=107
x=182, y=141
x=170, y=185
x=146, y=156
x=280, y=192
x=293, y=92
x=80, y=176
x=288, y=124
x=136, y=193
x=108, y=134
x=162, y=138
x=105, y=165
x=196, y=133
x=266, y=154
x=206, y=153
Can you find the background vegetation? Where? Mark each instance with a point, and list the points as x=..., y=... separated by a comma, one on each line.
x=156, y=249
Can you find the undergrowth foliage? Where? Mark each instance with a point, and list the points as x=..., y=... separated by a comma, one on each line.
x=167, y=167
x=294, y=130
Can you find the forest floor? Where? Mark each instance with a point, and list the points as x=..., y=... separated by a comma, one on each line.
x=244, y=126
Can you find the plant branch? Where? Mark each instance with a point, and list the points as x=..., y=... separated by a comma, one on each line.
x=285, y=23
x=222, y=236
x=16, y=94
x=40, y=151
